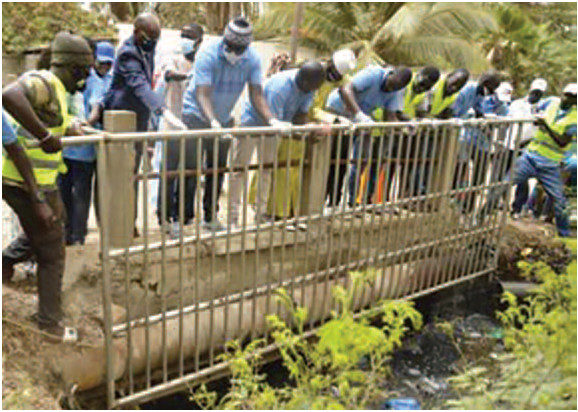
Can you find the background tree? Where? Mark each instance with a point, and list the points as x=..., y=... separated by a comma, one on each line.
x=31, y=25
x=398, y=33
x=525, y=44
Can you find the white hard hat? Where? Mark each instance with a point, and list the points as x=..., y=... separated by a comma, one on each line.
x=504, y=91
x=571, y=88
x=539, y=84
x=344, y=61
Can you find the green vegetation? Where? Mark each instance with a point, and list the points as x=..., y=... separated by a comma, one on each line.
x=31, y=25
x=326, y=372
x=522, y=40
x=539, y=369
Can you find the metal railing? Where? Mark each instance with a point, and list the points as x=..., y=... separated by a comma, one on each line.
x=416, y=202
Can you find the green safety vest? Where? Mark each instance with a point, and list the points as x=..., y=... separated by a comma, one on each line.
x=439, y=102
x=411, y=100
x=46, y=166
x=377, y=115
x=542, y=143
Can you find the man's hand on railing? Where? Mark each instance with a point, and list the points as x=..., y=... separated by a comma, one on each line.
x=173, y=121
x=285, y=127
x=51, y=144
x=361, y=117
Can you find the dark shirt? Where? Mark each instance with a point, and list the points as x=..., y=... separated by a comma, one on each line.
x=131, y=87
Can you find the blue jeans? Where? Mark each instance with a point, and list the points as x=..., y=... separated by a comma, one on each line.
x=208, y=147
x=548, y=174
x=76, y=191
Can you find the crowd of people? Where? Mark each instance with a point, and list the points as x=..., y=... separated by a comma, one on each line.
x=50, y=188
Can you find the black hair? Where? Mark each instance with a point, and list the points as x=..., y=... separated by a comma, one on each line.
x=431, y=73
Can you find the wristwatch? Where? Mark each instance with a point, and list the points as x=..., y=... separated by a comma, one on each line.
x=38, y=197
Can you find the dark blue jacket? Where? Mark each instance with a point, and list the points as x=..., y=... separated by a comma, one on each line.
x=131, y=87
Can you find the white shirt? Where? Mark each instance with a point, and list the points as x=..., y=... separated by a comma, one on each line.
x=522, y=108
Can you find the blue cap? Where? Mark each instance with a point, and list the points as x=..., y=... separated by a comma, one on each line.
x=104, y=52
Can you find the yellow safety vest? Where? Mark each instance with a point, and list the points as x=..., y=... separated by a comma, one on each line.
x=439, y=102
x=542, y=143
x=411, y=100
x=46, y=166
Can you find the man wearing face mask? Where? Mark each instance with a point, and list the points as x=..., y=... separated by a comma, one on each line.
x=175, y=77
x=38, y=104
x=371, y=88
x=545, y=153
x=221, y=72
x=131, y=86
x=289, y=95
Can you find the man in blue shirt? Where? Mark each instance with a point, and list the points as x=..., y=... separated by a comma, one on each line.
x=476, y=99
x=221, y=72
x=371, y=88
x=289, y=95
x=76, y=184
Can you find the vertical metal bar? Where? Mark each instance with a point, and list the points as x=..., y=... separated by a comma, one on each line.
x=146, y=263
x=246, y=184
x=298, y=218
x=345, y=200
x=164, y=257
x=182, y=193
x=387, y=202
x=261, y=191
x=106, y=281
x=381, y=142
x=214, y=218
x=199, y=163
x=130, y=367
x=333, y=206
x=364, y=201
x=286, y=210
x=228, y=275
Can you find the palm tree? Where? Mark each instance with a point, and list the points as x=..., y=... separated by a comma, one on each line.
x=525, y=48
x=399, y=33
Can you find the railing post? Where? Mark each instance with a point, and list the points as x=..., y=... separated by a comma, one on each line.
x=315, y=171
x=442, y=181
x=118, y=180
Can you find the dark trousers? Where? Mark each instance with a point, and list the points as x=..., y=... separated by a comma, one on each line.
x=76, y=190
x=208, y=147
x=173, y=184
x=46, y=245
x=337, y=170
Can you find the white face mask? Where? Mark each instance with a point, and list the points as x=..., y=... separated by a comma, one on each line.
x=232, y=57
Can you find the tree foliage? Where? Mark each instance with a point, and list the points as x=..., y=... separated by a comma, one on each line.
x=397, y=33
x=525, y=45
x=30, y=25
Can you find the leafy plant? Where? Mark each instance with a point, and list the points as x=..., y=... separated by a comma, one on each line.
x=539, y=371
x=326, y=373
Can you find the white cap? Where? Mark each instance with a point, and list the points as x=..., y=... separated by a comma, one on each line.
x=539, y=84
x=344, y=61
x=571, y=88
x=504, y=91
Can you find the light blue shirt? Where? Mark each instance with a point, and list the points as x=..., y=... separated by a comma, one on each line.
x=226, y=80
x=284, y=98
x=95, y=90
x=468, y=98
x=368, y=94
x=8, y=135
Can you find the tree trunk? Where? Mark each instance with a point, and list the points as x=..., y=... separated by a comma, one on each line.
x=121, y=10
x=297, y=17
